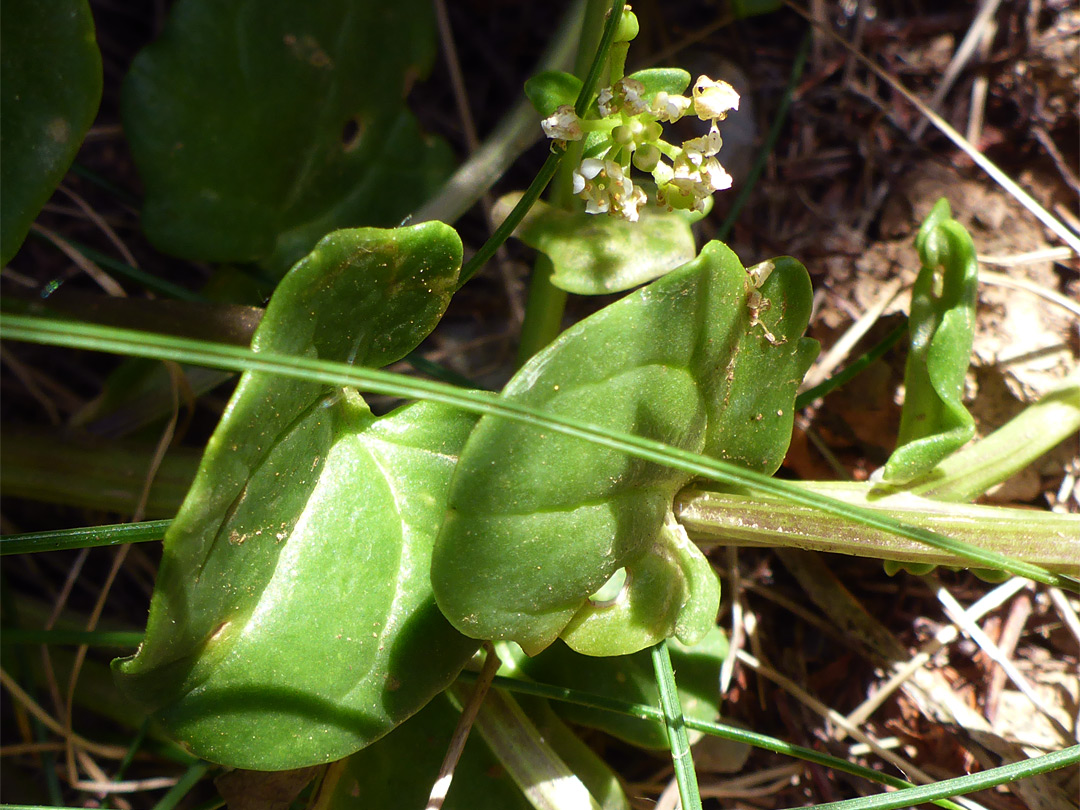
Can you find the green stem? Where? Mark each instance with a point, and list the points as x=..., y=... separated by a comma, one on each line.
x=543, y=310
x=91, y=537
x=182, y=788
x=681, y=758
x=517, y=131
x=92, y=474
x=546, y=302
x=133, y=749
x=502, y=233
x=909, y=797
x=595, y=56
x=547, y=171
x=745, y=518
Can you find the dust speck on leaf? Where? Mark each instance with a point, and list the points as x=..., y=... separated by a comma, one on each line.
x=58, y=130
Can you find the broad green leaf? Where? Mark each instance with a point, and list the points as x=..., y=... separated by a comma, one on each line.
x=293, y=605
x=673, y=81
x=552, y=89
x=934, y=421
x=49, y=96
x=630, y=678
x=399, y=770
x=260, y=126
x=595, y=255
x=539, y=521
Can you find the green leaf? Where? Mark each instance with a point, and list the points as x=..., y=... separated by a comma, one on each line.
x=293, y=605
x=260, y=126
x=48, y=99
x=595, y=255
x=538, y=521
x=399, y=770
x=552, y=89
x=673, y=81
x=630, y=678
x=934, y=421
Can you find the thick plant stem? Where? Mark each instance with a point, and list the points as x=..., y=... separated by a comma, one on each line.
x=744, y=519
x=932, y=502
x=543, y=310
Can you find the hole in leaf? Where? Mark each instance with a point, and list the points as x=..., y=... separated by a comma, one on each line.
x=352, y=131
x=612, y=591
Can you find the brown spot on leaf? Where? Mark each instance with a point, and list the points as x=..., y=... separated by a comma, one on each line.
x=307, y=49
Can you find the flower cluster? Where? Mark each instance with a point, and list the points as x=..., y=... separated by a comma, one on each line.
x=630, y=124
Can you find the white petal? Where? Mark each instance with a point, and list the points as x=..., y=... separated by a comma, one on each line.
x=563, y=124
x=713, y=100
x=590, y=167
x=603, y=102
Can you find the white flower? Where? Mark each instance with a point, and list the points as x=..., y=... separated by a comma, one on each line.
x=662, y=173
x=669, y=108
x=715, y=176
x=697, y=149
x=690, y=185
x=627, y=198
x=593, y=191
x=713, y=100
x=563, y=124
x=604, y=102
x=625, y=96
x=631, y=90
x=606, y=189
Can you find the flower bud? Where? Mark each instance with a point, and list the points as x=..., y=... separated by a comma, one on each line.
x=651, y=132
x=646, y=158
x=628, y=26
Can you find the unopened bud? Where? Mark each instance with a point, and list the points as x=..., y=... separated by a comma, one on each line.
x=628, y=26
